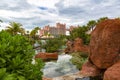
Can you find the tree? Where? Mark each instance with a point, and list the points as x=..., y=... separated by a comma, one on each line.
x=33, y=32
x=91, y=24
x=102, y=19
x=80, y=32
x=15, y=28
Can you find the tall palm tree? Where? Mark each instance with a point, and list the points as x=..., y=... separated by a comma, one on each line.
x=15, y=28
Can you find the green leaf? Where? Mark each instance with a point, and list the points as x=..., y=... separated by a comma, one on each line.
x=3, y=60
x=10, y=77
x=2, y=73
x=21, y=78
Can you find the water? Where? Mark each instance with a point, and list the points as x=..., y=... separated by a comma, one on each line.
x=61, y=67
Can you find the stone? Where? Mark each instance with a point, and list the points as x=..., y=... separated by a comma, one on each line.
x=69, y=48
x=105, y=43
x=113, y=73
x=47, y=56
x=89, y=69
x=78, y=46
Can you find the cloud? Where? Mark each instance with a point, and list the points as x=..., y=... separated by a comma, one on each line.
x=33, y=13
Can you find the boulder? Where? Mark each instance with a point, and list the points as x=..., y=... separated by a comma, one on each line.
x=88, y=69
x=47, y=56
x=113, y=73
x=105, y=43
x=78, y=46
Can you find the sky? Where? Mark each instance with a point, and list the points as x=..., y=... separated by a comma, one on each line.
x=32, y=13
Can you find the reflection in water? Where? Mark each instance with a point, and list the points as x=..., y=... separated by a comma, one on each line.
x=61, y=67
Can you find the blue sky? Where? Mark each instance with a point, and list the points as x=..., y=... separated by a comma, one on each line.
x=32, y=13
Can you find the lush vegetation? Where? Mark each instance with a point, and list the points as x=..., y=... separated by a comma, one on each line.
x=80, y=32
x=16, y=55
x=78, y=58
x=54, y=44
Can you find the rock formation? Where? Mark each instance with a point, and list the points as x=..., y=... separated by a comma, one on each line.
x=104, y=51
x=76, y=46
x=105, y=43
x=47, y=56
x=113, y=73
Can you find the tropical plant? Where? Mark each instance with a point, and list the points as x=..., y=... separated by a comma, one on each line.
x=78, y=58
x=33, y=32
x=80, y=32
x=16, y=55
x=15, y=28
x=102, y=19
x=91, y=24
x=54, y=44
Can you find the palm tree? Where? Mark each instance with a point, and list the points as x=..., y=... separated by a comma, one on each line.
x=15, y=28
x=34, y=31
x=91, y=24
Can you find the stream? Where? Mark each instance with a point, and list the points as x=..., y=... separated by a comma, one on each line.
x=61, y=67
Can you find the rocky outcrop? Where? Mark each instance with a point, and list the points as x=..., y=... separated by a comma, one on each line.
x=47, y=56
x=105, y=43
x=104, y=51
x=113, y=73
x=76, y=46
x=89, y=69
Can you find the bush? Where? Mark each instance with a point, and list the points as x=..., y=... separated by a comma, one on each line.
x=78, y=58
x=16, y=55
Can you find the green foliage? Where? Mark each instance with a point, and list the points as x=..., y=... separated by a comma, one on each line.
x=15, y=28
x=54, y=44
x=78, y=59
x=16, y=55
x=81, y=33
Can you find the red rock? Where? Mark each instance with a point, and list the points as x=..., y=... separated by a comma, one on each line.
x=47, y=56
x=113, y=73
x=78, y=46
x=105, y=43
x=89, y=69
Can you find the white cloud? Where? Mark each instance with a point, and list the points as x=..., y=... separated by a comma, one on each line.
x=43, y=3
x=33, y=13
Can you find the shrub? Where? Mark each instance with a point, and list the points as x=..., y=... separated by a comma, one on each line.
x=16, y=55
x=78, y=58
